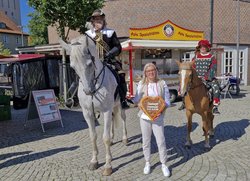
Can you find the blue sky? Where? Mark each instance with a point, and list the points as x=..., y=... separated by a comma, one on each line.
x=25, y=10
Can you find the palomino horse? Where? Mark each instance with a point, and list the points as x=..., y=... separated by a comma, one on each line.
x=96, y=92
x=196, y=101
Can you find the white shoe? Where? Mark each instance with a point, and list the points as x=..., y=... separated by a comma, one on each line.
x=146, y=169
x=165, y=170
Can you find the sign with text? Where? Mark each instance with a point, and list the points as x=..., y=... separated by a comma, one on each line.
x=165, y=31
x=46, y=105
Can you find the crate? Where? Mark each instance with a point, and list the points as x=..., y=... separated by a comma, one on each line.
x=4, y=100
x=5, y=109
x=5, y=113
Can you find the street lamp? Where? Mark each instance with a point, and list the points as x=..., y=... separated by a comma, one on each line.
x=21, y=27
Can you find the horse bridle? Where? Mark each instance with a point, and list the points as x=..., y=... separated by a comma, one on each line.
x=93, y=61
x=190, y=82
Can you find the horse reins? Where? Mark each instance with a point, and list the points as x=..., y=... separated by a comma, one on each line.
x=95, y=77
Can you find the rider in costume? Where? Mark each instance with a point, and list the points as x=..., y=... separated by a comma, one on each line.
x=205, y=65
x=108, y=46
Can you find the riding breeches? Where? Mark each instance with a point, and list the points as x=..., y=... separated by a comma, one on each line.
x=215, y=87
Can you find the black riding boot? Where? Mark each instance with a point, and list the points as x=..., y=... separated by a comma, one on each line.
x=182, y=105
x=215, y=110
x=123, y=91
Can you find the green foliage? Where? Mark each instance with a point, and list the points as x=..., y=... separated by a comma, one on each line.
x=66, y=13
x=4, y=51
x=38, y=29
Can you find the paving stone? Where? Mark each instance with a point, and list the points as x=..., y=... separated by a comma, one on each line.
x=64, y=153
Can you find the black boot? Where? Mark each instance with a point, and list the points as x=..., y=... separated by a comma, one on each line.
x=215, y=110
x=124, y=105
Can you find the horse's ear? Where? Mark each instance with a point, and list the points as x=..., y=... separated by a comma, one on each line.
x=178, y=62
x=66, y=46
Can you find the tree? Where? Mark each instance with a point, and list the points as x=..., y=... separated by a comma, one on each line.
x=38, y=29
x=4, y=51
x=66, y=15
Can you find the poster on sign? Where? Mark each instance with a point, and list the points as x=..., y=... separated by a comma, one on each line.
x=46, y=105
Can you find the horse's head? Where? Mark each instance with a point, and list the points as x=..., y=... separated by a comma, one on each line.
x=186, y=76
x=82, y=59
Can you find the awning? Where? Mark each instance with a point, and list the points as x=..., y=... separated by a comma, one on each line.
x=21, y=57
x=187, y=45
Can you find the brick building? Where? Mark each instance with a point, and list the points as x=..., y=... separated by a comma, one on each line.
x=192, y=15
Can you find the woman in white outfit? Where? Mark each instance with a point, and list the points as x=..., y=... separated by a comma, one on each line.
x=151, y=85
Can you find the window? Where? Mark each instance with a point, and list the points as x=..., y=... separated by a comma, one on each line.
x=8, y=3
x=228, y=63
x=5, y=38
x=17, y=40
x=6, y=12
x=186, y=56
x=14, y=4
x=241, y=65
x=156, y=53
x=2, y=25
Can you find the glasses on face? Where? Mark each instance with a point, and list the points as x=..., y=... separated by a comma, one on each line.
x=151, y=70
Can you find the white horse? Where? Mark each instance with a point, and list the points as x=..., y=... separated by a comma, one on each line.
x=96, y=91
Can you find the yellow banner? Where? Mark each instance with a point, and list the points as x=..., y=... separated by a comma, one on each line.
x=165, y=31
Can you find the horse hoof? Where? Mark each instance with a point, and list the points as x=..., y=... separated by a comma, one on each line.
x=211, y=136
x=107, y=171
x=207, y=147
x=125, y=141
x=93, y=166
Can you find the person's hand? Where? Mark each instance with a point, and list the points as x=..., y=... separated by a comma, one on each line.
x=157, y=116
x=129, y=100
x=108, y=56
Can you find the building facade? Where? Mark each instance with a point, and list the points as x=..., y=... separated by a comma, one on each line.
x=11, y=35
x=192, y=15
x=11, y=8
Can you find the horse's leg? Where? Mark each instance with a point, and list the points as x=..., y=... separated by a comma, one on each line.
x=93, y=136
x=119, y=114
x=112, y=129
x=106, y=139
x=206, y=126
x=211, y=120
x=189, y=115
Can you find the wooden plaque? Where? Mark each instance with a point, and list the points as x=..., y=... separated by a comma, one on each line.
x=152, y=106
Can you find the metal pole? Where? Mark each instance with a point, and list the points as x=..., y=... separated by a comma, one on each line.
x=21, y=27
x=130, y=70
x=237, y=39
x=211, y=21
x=22, y=37
x=65, y=81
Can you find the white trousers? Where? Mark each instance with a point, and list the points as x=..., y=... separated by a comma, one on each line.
x=158, y=129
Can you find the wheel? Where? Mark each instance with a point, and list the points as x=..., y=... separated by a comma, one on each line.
x=234, y=89
x=172, y=95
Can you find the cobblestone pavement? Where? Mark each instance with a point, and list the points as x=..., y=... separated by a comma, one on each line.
x=64, y=153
